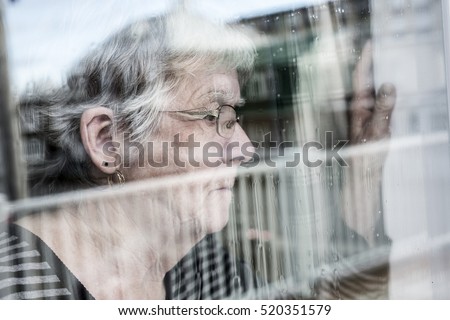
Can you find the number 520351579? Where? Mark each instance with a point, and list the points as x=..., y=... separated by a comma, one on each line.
x=295, y=310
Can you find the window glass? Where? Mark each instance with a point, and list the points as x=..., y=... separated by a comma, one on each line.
x=296, y=150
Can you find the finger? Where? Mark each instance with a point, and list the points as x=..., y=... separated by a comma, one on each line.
x=359, y=118
x=362, y=76
x=384, y=105
x=363, y=97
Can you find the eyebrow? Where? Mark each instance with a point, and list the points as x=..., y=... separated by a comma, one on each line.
x=223, y=97
x=240, y=103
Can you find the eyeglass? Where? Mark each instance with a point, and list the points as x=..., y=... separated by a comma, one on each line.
x=224, y=117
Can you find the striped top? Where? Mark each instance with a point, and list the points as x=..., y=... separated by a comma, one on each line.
x=29, y=269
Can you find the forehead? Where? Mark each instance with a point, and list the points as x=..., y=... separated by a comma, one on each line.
x=222, y=87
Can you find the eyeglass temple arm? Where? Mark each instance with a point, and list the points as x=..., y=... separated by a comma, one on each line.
x=195, y=115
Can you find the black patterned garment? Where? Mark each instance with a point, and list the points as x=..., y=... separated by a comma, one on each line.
x=207, y=272
x=29, y=269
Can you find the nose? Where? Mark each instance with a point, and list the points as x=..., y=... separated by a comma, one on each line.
x=239, y=148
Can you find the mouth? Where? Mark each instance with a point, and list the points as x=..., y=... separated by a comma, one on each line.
x=223, y=189
x=227, y=187
x=224, y=186
x=221, y=182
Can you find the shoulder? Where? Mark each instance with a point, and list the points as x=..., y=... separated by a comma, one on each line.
x=30, y=270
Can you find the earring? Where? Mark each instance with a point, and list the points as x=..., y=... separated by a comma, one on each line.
x=116, y=177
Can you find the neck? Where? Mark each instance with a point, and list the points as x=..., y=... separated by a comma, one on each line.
x=113, y=254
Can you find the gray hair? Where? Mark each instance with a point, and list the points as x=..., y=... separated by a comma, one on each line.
x=135, y=73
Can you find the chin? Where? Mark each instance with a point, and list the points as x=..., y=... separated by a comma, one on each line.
x=217, y=225
x=217, y=218
x=216, y=212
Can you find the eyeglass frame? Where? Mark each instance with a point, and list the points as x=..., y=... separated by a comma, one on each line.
x=198, y=114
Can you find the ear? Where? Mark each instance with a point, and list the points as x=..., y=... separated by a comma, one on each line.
x=95, y=125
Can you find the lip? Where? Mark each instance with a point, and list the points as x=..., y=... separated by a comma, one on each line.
x=227, y=186
x=224, y=186
x=223, y=189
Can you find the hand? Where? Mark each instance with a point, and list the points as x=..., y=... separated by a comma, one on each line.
x=370, y=117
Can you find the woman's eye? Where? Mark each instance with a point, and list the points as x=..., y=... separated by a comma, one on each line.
x=210, y=118
x=230, y=124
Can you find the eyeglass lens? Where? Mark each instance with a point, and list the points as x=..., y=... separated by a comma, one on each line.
x=226, y=121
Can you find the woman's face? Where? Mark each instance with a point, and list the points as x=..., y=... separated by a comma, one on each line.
x=185, y=145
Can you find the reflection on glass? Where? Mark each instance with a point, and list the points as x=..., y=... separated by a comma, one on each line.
x=333, y=185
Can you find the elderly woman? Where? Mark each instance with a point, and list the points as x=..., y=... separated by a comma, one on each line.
x=158, y=98
x=126, y=114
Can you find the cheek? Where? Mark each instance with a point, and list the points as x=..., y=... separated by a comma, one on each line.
x=190, y=152
x=207, y=209
x=189, y=207
x=212, y=154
